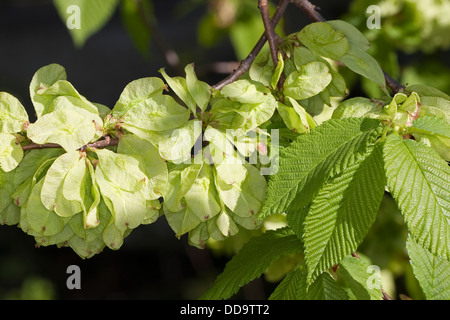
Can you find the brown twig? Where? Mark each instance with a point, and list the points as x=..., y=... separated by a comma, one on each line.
x=311, y=11
x=245, y=64
x=392, y=83
x=355, y=255
x=100, y=144
x=271, y=36
x=385, y=295
x=33, y=145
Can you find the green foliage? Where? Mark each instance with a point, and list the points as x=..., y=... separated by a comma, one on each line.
x=431, y=271
x=262, y=251
x=304, y=164
x=362, y=284
x=342, y=212
x=412, y=27
x=415, y=166
x=92, y=15
x=294, y=287
x=85, y=176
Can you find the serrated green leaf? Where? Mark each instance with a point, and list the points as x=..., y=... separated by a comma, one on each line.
x=312, y=158
x=323, y=39
x=13, y=115
x=326, y=288
x=65, y=127
x=435, y=106
x=342, y=213
x=360, y=279
x=427, y=91
x=84, y=18
x=11, y=152
x=432, y=272
x=294, y=287
x=419, y=181
x=311, y=79
x=262, y=251
x=431, y=125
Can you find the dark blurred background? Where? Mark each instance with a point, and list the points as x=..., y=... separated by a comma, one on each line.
x=152, y=263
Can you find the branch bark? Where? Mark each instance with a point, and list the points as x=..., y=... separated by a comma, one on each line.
x=310, y=10
x=245, y=64
x=392, y=83
x=100, y=144
x=271, y=36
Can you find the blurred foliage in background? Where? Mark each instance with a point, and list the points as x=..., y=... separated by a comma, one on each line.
x=409, y=45
x=412, y=45
x=411, y=42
